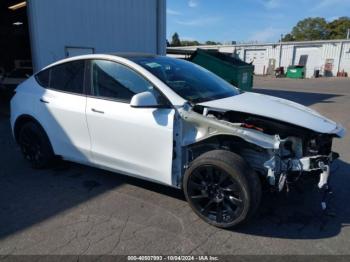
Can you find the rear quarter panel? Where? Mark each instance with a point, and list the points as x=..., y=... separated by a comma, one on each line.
x=24, y=102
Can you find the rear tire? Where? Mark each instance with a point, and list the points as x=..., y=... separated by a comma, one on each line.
x=222, y=189
x=35, y=145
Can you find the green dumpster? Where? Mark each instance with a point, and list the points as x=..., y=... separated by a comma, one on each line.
x=233, y=70
x=296, y=72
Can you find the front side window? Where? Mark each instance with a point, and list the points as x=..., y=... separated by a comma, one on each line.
x=68, y=77
x=115, y=81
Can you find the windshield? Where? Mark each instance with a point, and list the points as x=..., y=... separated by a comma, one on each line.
x=188, y=80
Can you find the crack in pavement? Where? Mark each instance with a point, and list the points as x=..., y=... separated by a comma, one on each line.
x=204, y=241
x=66, y=244
x=120, y=235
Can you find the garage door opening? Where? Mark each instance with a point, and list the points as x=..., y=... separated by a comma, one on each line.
x=310, y=57
x=258, y=59
x=15, y=50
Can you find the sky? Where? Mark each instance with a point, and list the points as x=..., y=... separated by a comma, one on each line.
x=245, y=20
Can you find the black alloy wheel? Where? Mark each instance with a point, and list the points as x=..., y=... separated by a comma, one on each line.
x=35, y=145
x=222, y=189
x=216, y=194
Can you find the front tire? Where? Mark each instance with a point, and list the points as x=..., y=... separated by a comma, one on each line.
x=222, y=189
x=35, y=145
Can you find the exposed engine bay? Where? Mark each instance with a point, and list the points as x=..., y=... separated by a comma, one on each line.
x=279, y=152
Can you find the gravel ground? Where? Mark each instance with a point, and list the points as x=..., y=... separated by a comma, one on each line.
x=74, y=209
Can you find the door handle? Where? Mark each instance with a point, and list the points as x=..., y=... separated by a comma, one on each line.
x=42, y=100
x=97, y=111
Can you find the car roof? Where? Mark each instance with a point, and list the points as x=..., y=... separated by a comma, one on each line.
x=128, y=56
x=135, y=55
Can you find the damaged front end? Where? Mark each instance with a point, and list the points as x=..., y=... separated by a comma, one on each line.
x=279, y=152
x=290, y=161
x=299, y=157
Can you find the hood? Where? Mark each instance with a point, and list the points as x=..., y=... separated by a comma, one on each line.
x=278, y=109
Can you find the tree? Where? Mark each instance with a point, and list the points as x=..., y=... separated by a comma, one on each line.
x=211, y=43
x=190, y=43
x=176, y=40
x=288, y=38
x=339, y=27
x=318, y=29
x=309, y=29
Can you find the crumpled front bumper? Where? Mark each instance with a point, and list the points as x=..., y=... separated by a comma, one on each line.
x=313, y=163
x=279, y=169
x=304, y=165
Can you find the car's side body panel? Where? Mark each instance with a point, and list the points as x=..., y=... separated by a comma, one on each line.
x=135, y=141
x=25, y=101
x=62, y=115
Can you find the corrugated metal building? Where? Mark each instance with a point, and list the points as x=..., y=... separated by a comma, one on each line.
x=330, y=57
x=61, y=28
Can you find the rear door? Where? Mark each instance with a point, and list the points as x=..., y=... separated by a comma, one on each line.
x=62, y=110
x=134, y=141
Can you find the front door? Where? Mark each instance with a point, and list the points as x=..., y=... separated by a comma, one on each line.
x=134, y=141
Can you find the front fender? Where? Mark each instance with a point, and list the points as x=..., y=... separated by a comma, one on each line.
x=197, y=127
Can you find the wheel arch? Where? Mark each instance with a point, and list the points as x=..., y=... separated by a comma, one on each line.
x=23, y=119
x=222, y=142
x=229, y=143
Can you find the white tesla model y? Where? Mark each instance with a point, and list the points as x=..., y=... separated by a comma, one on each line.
x=175, y=123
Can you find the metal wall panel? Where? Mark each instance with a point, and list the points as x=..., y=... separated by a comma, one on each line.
x=331, y=52
x=227, y=49
x=345, y=59
x=107, y=26
x=287, y=55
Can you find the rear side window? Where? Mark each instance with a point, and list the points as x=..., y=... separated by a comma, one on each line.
x=43, y=78
x=68, y=77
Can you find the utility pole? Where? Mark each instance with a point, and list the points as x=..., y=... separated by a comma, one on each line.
x=348, y=35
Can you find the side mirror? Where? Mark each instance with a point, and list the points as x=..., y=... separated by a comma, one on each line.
x=144, y=100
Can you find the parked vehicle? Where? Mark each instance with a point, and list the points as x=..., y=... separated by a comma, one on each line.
x=172, y=122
